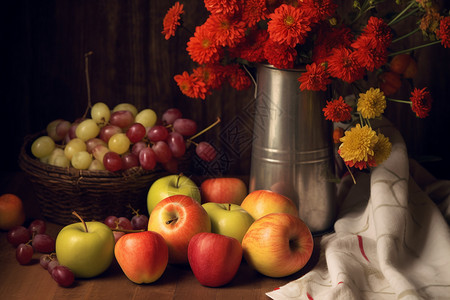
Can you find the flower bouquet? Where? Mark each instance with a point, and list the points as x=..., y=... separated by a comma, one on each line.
x=345, y=42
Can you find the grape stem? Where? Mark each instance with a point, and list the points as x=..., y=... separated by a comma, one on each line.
x=204, y=130
x=81, y=219
x=134, y=211
x=128, y=230
x=88, y=86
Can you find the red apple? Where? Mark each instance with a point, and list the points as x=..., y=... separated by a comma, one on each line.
x=223, y=190
x=178, y=218
x=278, y=245
x=214, y=258
x=143, y=256
x=262, y=202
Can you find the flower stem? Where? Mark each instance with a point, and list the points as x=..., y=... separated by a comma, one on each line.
x=406, y=35
x=415, y=48
x=399, y=101
x=405, y=16
x=394, y=20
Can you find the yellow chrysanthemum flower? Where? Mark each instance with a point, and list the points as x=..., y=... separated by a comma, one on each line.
x=372, y=103
x=382, y=149
x=358, y=144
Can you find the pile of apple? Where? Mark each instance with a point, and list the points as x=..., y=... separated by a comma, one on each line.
x=211, y=228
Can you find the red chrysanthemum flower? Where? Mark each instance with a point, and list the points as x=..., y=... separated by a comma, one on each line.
x=368, y=53
x=212, y=75
x=421, y=102
x=252, y=49
x=444, y=32
x=378, y=30
x=337, y=110
x=280, y=56
x=172, y=20
x=315, y=78
x=226, y=32
x=319, y=9
x=329, y=38
x=361, y=164
x=223, y=7
x=289, y=25
x=202, y=47
x=253, y=11
x=191, y=85
x=237, y=77
x=342, y=64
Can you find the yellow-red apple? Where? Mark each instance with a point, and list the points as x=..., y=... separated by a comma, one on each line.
x=142, y=256
x=178, y=218
x=278, y=245
x=223, y=190
x=262, y=202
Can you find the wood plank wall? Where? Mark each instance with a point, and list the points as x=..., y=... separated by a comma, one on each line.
x=44, y=79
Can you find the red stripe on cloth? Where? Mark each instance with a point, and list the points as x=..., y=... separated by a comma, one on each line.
x=309, y=296
x=361, y=247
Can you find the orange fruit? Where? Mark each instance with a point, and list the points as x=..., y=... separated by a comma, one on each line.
x=11, y=211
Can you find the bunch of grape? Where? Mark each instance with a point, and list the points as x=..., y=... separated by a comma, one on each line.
x=34, y=239
x=121, y=139
x=122, y=225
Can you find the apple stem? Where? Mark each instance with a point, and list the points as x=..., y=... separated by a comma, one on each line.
x=178, y=179
x=229, y=206
x=171, y=221
x=81, y=219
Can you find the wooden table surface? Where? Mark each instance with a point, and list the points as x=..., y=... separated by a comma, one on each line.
x=178, y=282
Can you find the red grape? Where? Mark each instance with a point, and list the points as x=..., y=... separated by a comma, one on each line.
x=176, y=144
x=170, y=115
x=162, y=152
x=157, y=133
x=136, y=148
x=136, y=132
x=63, y=276
x=122, y=118
x=108, y=131
x=147, y=158
x=110, y=221
x=18, y=235
x=93, y=142
x=171, y=166
x=112, y=161
x=44, y=260
x=37, y=226
x=43, y=243
x=205, y=151
x=130, y=160
x=24, y=253
x=186, y=127
x=124, y=223
x=139, y=222
x=52, y=264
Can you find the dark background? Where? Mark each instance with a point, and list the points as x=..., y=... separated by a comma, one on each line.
x=42, y=66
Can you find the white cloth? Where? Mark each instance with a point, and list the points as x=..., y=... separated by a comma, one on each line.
x=391, y=239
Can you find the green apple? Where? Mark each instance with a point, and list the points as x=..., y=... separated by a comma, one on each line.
x=171, y=185
x=228, y=219
x=86, y=248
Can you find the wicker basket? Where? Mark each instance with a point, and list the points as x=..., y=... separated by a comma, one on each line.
x=94, y=195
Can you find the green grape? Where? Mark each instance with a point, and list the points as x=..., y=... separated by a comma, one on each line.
x=119, y=143
x=100, y=113
x=42, y=146
x=96, y=165
x=87, y=129
x=146, y=117
x=81, y=160
x=61, y=161
x=73, y=146
x=126, y=106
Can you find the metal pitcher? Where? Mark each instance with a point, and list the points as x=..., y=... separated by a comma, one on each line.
x=292, y=150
